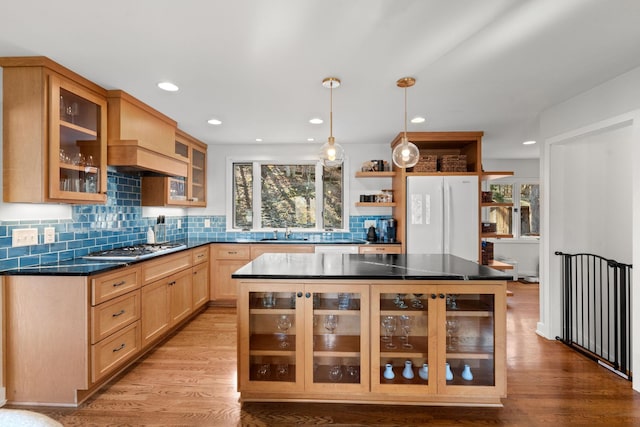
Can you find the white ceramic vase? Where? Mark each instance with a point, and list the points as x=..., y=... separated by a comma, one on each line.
x=408, y=370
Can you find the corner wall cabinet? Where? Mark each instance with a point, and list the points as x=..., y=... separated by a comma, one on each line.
x=187, y=191
x=301, y=342
x=54, y=134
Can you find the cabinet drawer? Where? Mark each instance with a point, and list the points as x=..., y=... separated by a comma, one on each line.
x=231, y=252
x=108, y=286
x=378, y=249
x=165, y=265
x=200, y=255
x=114, y=351
x=107, y=318
x=257, y=250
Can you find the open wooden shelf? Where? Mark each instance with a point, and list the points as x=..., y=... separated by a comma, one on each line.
x=385, y=174
x=489, y=175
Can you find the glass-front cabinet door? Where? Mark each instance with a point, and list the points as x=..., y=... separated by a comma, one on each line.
x=271, y=353
x=78, y=148
x=338, y=351
x=303, y=338
x=403, y=339
x=437, y=339
x=470, y=349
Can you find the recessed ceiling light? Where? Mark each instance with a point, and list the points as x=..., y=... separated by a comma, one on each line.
x=214, y=122
x=310, y=139
x=316, y=121
x=528, y=143
x=258, y=139
x=168, y=86
x=418, y=119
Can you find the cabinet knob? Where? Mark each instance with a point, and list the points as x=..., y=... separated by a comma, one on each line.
x=299, y=294
x=433, y=296
x=307, y=295
x=441, y=296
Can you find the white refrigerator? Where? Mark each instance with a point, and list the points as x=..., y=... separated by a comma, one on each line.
x=442, y=215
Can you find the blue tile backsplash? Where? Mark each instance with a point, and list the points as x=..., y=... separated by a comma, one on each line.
x=119, y=222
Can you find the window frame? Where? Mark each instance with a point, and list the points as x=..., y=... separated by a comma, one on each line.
x=516, y=184
x=257, y=183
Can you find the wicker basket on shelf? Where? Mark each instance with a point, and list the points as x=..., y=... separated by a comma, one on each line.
x=427, y=163
x=453, y=163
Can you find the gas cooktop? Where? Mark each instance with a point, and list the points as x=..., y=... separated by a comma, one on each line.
x=135, y=252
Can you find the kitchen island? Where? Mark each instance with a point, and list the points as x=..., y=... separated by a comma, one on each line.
x=392, y=329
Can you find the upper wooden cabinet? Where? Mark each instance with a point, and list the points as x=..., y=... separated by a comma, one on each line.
x=178, y=191
x=141, y=138
x=54, y=134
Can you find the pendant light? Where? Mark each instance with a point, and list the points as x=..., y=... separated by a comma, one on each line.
x=405, y=154
x=331, y=154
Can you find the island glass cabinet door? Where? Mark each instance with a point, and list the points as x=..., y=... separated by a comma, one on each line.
x=299, y=337
x=437, y=339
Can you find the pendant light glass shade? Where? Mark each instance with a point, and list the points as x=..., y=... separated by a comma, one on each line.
x=405, y=154
x=331, y=154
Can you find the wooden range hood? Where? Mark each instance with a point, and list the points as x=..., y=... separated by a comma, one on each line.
x=141, y=139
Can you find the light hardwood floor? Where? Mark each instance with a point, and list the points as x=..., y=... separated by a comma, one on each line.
x=190, y=380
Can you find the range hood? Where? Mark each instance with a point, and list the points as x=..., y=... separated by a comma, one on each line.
x=141, y=139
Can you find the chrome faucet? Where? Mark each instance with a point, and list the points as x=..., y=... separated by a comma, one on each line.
x=287, y=232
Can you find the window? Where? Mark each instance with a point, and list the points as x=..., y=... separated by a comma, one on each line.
x=269, y=195
x=521, y=220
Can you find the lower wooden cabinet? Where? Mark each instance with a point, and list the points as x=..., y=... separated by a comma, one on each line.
x=391, y=342
x=224, y=260
x=88, y=329
x=380, y=249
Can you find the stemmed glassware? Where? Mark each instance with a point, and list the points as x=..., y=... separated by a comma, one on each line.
x=405, y=325
x=284, y=323
x=330, y=324
x=452, y=329
x=389, y=325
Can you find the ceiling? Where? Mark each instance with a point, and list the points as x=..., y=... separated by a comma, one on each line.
x=258, y=65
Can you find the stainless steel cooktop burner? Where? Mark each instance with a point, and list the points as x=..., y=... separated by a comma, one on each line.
x=135, y=252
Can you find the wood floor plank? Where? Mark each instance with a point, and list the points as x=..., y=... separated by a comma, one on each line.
x=190, y=380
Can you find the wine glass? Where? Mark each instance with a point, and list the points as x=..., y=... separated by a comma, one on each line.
x=389, y=323
x=452, y=329
x=416, y=302
x=284, y=323
x=405, y=325
x=330, y=324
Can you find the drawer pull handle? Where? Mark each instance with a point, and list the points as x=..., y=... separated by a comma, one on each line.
x=379, y=249
x=200, y=256
x=232, y=252
x=120, y=313
x=119, y=348
x=172, y=283
x=120, y=283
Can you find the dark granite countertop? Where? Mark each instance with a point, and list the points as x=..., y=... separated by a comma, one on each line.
x=366, y=267
x=85, y=267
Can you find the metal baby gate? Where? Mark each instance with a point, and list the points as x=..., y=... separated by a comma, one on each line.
x=597, y=309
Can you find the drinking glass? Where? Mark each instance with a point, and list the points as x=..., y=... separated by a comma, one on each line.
x=330, y=324
x=452, y=329
x=405, y=325
x=284, y=323
x=389, y=323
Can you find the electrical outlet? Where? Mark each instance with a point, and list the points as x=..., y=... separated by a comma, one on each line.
x=24, y=237
x=49, y=235
x=179, y=224
x=207, y=223
x=369, y=223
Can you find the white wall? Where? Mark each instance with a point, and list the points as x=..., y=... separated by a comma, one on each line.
x=586, y=140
